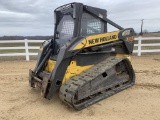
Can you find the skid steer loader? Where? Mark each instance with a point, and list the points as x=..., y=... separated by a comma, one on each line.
x=83, y=61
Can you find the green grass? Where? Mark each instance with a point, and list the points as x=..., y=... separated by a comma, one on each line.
x=11, y=44
x=11, y=51
x=18, y=45
x=17, y=51
x=148, y=42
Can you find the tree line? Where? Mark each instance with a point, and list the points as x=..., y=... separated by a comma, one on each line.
x=26, y=37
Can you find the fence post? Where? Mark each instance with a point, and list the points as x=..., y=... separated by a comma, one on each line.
x=139, y=45
x=26, y=49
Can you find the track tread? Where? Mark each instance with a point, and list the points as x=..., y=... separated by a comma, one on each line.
x=75, y=82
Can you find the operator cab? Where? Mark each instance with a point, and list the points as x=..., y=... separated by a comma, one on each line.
x=73, y=20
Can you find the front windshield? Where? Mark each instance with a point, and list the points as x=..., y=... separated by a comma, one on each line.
x=65, y=29
x=65, y=24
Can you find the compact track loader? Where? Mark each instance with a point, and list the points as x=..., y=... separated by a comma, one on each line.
x=83, y=61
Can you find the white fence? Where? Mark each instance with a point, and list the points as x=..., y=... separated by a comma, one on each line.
x=26, y=47
x=140, y=45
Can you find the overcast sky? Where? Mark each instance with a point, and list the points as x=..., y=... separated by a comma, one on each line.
x=35, y=17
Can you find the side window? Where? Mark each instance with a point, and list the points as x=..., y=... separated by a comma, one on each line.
x=91, y=25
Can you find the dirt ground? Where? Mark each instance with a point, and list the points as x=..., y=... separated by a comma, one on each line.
x=141, y=102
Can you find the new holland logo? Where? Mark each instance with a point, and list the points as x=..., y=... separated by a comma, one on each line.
x=102, y=39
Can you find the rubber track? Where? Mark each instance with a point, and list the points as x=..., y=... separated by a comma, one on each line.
x=68, y=90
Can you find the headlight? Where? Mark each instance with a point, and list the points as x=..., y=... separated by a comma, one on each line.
x=126, y=32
